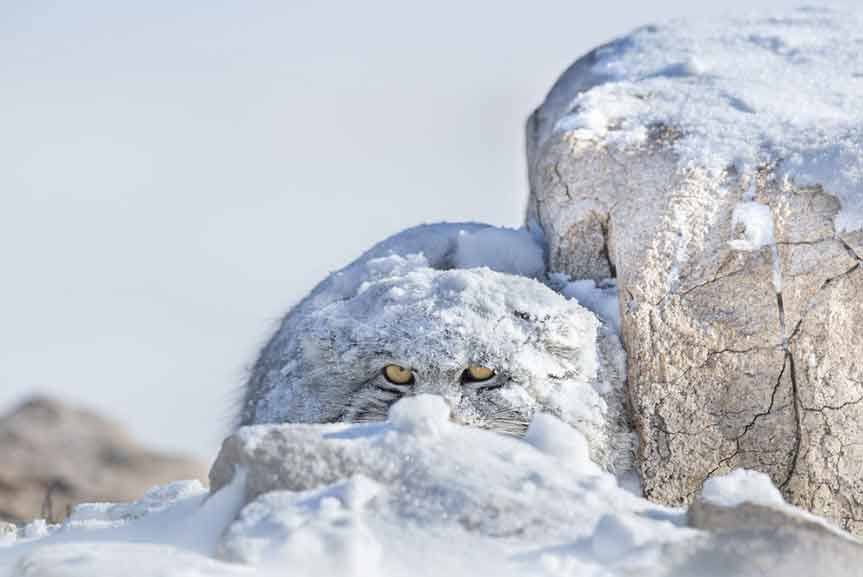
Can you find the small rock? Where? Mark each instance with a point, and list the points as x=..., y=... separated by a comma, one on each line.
x=53, y=456
x=766, y=538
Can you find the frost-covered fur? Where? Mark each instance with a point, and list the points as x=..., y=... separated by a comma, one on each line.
x=404, y=303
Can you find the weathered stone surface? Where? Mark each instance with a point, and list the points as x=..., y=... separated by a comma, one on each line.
x=742, y=352
x=53, y=456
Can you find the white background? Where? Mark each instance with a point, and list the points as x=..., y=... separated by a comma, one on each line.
x=174, y=175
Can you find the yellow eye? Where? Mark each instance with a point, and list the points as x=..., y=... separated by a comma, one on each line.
x=398, y=375
x=476, y=374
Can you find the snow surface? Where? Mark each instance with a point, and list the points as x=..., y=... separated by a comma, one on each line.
x=497, y=505
x=599, y=297
x=502, y=250
x=438, y=243
x=741, y=486
x=756, y=219
x=757, y=222
x=746, y=91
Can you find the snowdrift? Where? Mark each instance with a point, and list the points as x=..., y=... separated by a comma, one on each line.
x=420, y=495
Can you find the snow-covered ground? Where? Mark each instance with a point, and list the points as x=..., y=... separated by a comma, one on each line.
x=419, y=495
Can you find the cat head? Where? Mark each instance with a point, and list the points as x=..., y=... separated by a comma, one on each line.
x=497, y=347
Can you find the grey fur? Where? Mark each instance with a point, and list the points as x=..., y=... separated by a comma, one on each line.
x=324, y=363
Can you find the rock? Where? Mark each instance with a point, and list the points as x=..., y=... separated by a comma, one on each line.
x=716, y=170
x=748, y=530
x=294, y=458
x=406, y=471
x=53, y=456
x=758, y=539
x=783, y=552
x=755, y=517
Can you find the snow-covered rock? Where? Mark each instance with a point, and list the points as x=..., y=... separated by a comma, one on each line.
x=716, y=170
x=747, y=503
x=423, y=496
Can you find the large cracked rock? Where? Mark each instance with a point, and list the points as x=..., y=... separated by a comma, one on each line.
x=717, y=171
x=53, y=456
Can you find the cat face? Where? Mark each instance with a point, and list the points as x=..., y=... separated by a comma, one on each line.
x=496, y=347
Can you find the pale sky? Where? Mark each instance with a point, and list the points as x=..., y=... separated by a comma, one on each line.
x=175, y=175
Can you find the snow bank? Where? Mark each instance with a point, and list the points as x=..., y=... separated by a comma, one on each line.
x=172, y=530
x=417, y=496
x=311, y=533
